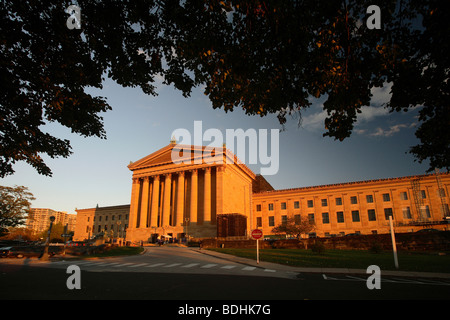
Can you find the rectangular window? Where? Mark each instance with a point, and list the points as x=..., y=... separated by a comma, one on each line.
x=297, y=219
x=353, y=200
x=259, y=222
x=258, y=207
x=355, y=216
x=423, y=194
x=325, y=217
x=388, y=212
x=283, y=206
x=369, y=198
x=311, y=217
x=403, y=196
x=340, y=216
x=296, y=204
x=272, y=221
x=270, y=206
x=406, y=213
x=386, y=197
x=324, y=202
x=371, y=215
x=310, y=204
x=339, y=201
x=284, y=219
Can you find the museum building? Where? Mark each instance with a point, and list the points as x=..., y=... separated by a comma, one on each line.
x=201, y=192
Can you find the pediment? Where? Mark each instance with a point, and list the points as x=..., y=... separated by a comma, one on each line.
x=174, y=154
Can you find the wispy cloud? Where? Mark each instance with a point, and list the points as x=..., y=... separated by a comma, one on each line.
x=380, y=132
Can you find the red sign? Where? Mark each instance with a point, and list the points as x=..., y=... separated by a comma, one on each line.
x=257, y=234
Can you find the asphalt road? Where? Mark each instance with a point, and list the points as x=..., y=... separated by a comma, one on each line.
x=182, y=275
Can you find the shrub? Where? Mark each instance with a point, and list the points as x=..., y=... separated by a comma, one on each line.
x=376, y=247
x=318, y=247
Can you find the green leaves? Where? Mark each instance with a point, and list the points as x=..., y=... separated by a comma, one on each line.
x=262, y=56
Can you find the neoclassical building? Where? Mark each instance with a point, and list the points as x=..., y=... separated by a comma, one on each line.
x=183, y=190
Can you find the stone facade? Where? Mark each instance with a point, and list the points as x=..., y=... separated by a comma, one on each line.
x=180, y=191
x=358, y=207
x=184, y=197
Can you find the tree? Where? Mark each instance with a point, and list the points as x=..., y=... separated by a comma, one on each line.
x=293, y=227
x=264, y=56
x=14, y=206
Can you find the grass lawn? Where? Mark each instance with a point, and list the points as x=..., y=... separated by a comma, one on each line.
x=353, y=259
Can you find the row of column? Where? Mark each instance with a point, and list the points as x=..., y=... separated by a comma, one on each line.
x=152, y=198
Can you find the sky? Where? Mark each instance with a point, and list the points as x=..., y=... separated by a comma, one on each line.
x=97, y=174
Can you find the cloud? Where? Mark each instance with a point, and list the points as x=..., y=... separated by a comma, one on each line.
x=379, y=132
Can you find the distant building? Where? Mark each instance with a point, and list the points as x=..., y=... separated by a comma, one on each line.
x=38, y=219
x=201, y=197
x=111, y=221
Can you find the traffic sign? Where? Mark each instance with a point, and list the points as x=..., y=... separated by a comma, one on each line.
x=257, y=234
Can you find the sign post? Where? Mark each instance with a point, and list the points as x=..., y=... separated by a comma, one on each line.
x=257, y=234
x=394, y=246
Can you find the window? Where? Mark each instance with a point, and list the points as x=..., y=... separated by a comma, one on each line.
x=423, y=194
x=258, y=221
x=388, y=212
x=441, y=192
x=353, y=200
x=311, y=217
x=258, y=207
x=296, y=204
x=271, y=221
x=310, y=204
x=355, y=216
x=112, y=218
x=427, y=211
x=386, y=197
x=284, y=219
x=339, y=201
x=283, y=206
x=371, y=215
x=406, y=213
x=324, y=202
x=297, y=219
x=369, y=198
x=340, y=216
x=270, y=206
x=325, y=217
x=403, y=196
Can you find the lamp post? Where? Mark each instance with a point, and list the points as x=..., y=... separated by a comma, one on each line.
x=47, y=241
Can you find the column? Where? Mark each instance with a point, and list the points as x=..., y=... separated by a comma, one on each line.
x=167, y=193
x=219, y=189
x=155, y=202
x=207, y=196
x=134, y=204
x=194, y=195
x=180, y=200
x=144, y=203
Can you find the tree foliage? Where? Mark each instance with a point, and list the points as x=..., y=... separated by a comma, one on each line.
x=14, y=206
x=263, y=56
x=293, y=227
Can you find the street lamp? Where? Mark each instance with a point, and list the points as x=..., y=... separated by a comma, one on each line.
x=45, y=254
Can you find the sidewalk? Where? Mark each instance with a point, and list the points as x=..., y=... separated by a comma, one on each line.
x=276, y=266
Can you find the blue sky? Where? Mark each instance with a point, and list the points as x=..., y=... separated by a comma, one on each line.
x=97, y=173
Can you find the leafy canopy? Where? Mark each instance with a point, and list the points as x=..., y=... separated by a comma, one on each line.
x=262, y=56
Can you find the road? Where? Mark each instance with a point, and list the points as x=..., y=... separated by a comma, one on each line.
x=184, y=274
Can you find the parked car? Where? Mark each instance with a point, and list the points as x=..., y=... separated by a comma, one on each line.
x=23, y=252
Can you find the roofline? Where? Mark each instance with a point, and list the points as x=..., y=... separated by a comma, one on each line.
x=351, y=183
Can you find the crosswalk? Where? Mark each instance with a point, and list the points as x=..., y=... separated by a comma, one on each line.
x=162, y=266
